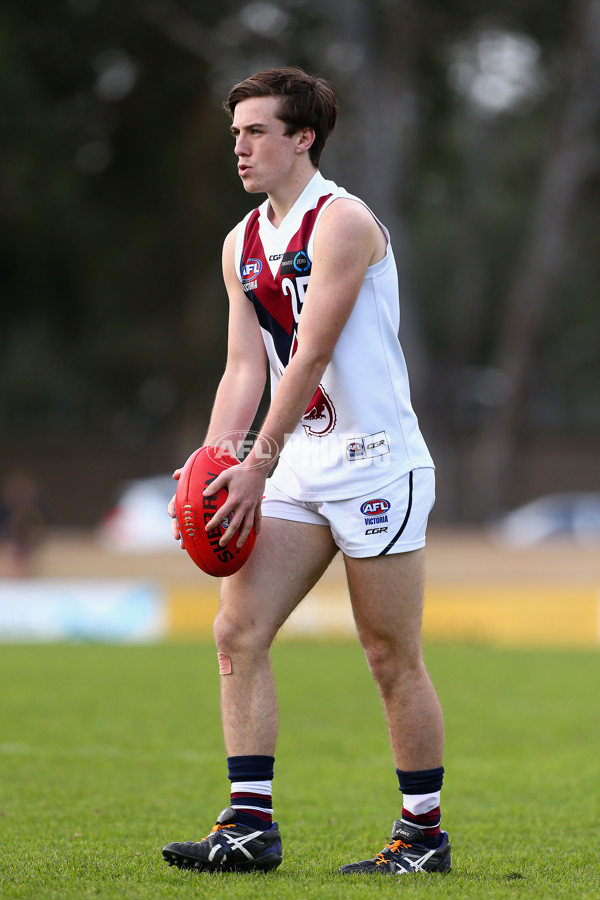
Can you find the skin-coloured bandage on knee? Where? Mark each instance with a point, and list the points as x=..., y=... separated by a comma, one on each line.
x=224, y=664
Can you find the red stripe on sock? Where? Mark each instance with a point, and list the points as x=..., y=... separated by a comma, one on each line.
x=429, y=822
x=257, y=814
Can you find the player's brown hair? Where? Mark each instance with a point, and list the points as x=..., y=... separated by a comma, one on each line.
x=306, y=102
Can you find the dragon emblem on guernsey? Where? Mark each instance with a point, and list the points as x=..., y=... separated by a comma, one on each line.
x=320, y=417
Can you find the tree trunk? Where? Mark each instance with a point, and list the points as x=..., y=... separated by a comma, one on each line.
x=571, y=157
x=374, y=150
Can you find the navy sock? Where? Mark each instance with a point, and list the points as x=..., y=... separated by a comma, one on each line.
x=251, y=795
x=421, y=803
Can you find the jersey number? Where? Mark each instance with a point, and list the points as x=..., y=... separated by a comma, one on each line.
x=296, y=289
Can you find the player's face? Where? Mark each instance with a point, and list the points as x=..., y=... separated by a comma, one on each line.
x=266, y=154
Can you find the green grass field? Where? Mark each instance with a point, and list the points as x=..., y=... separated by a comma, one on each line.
x=109, y=752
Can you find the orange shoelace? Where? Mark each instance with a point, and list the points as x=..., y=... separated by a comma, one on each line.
x=217, y=828
x=393, y=848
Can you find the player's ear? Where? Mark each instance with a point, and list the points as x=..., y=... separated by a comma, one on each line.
x=304, y=140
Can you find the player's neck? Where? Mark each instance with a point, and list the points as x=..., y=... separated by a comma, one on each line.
x=282, y=199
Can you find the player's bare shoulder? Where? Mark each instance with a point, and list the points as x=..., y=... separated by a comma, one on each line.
x=229, y=244
x=228, y=261
x=348, y=223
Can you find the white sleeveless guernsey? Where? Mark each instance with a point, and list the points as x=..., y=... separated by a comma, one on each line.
x=359, y=431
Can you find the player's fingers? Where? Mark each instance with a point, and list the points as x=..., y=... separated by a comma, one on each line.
x=236, y=524
x=220, y=481
x=171, y=510
x=225, y=512
x=258, y=519
x=245, y=530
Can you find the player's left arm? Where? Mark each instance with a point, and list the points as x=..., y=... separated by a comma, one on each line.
x=347, y=241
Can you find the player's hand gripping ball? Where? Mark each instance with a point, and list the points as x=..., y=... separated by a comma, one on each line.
x=194, y=511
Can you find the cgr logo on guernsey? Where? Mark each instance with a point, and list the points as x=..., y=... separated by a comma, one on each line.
x=368, y=446
x=251, y=269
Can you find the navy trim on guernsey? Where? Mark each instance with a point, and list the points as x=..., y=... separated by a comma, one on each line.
x=404, y=524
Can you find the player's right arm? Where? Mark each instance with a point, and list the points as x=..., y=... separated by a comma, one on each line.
x=243, y=381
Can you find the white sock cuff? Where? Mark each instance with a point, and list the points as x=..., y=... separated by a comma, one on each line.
x=251, y=787
x=418, y=804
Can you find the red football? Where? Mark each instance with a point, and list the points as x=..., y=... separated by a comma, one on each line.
x=194, y=511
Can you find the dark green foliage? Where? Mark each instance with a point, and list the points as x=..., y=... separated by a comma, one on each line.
x=118, y=186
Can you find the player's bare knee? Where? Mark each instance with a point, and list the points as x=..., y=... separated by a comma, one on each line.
x=227, y=633
x=389, y=663
x=239, y=636
x=381, y=665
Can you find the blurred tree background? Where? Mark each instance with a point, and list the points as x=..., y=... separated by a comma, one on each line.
x=470, y=126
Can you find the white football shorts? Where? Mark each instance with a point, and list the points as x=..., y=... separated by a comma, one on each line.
x=391, y=520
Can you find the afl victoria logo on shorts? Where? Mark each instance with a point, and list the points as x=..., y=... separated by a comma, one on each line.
x=375, y=513
x=377, y=507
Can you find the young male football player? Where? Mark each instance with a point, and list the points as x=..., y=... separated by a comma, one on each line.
x=313, y=290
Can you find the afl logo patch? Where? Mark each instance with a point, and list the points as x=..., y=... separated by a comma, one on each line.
x=251, y=269
x=355, y=449
x=375, y=507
